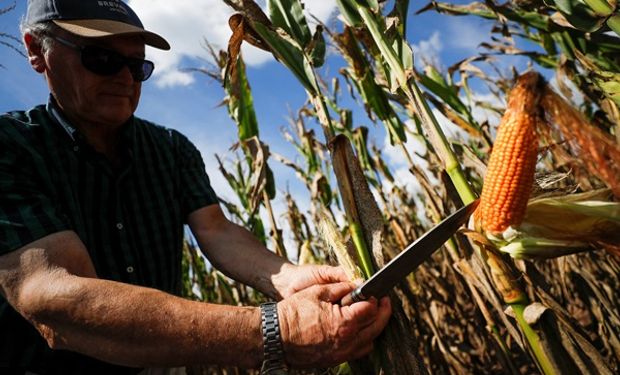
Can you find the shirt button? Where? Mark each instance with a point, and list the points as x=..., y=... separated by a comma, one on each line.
x=76, y=148
x=130, y=269
x=119, y=226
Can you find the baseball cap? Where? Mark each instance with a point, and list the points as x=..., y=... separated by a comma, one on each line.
x=93, y=19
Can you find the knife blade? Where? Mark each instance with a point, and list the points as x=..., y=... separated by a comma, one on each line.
x=410, y=258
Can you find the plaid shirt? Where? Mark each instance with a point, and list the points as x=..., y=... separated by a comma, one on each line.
x=130, y=218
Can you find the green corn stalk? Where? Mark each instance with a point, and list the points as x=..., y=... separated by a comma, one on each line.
x=364, y=15
x=239, y=182
x=289, y=39
x=241, y=109
x=363, y=78
x=314, y=172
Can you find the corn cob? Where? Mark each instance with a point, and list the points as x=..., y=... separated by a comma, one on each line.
x=510, y=172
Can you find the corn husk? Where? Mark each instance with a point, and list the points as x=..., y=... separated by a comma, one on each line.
x=563, y=225
x=337, y=245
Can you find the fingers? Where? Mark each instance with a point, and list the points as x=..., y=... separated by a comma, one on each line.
x=334, y=292
x=372, y=330
x=329, y=274
x=316, y=330
x=361, y=313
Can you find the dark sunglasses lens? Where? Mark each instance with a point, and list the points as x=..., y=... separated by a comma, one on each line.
x=140, y=69
x=106, y=62
x=102, y=61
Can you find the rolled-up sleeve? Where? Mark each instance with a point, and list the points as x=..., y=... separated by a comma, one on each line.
x=196, y=190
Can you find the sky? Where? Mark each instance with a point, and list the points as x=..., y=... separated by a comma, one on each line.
x=189, y=102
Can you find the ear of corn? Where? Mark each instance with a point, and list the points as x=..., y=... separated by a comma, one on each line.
x=510, y=173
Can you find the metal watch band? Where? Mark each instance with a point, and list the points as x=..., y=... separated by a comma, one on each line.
x=273, y=361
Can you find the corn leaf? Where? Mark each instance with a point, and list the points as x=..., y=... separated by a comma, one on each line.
x=583, y=18
x=376, y=98
x=290, y=54
x=349, y=12
x=542, y=248
x=614, y=23
x=433, y=81
x=241, y=104
x=533, y=19
x=360, y=140
x=316, y=49
x=289, y=15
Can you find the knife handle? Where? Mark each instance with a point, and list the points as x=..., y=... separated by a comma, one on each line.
x=355, y=296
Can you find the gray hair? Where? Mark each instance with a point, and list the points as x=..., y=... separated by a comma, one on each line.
x=40, y=31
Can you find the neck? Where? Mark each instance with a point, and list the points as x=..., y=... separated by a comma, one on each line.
x=104, y=138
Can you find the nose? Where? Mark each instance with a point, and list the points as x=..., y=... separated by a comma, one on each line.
x=125, y=75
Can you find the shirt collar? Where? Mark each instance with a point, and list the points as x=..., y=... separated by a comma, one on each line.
x=54, y=111
x=127, y=132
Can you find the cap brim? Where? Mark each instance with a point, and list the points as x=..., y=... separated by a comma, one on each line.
x=107, y=28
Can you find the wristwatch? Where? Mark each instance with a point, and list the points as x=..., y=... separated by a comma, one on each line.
x=273, y=359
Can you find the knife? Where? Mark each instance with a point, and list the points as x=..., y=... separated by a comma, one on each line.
x=410, y=258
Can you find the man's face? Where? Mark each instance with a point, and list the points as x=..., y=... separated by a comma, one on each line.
x=89, y=98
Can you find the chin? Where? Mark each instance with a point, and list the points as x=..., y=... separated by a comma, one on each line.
x=116, y=113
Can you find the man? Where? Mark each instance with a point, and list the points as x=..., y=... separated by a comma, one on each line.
x=92, y=206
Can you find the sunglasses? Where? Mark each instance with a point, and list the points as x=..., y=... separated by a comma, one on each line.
x=106, y=62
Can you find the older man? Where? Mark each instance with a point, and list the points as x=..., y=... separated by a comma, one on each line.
x=92, y=206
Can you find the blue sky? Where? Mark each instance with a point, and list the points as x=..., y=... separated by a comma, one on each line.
x=189, y=102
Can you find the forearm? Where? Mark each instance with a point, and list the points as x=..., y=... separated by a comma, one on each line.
x=141, y=327
x=236, y=252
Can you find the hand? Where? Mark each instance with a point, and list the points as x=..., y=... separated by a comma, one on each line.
x=317, y=332
x=293, y=279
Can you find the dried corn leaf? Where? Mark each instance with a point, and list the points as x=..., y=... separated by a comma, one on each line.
x=599, y=152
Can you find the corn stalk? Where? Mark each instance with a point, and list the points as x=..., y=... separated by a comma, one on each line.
x=259, y=186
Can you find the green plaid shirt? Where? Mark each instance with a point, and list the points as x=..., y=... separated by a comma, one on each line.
x=130, y=218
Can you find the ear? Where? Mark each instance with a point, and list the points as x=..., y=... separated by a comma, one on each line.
x=36, y=57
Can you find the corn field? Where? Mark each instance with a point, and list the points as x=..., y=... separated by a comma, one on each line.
x=531, y=285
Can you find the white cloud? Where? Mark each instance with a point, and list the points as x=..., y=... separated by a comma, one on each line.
x=321, y=9
x=428, y=50
x=174, y=77
x=466, y=34
x=482, y=114
x=185, y=23
x=394, y=154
